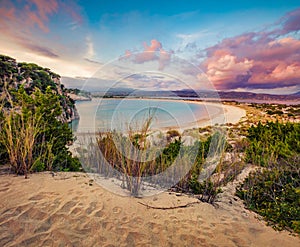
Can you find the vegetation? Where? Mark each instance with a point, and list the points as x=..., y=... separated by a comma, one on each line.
x=33, y=119
x=133, y=160
x=273, y=141
x=273, y=191
x=78, y=92
x=35, y=109
x=32, y=76
x=172, y=134
x=32, y=136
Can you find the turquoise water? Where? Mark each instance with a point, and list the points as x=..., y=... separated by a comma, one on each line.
x=125, y=114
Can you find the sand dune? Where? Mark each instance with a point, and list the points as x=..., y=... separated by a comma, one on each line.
x=68, y=209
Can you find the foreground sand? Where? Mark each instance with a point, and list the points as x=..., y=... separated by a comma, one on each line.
x=70, y=210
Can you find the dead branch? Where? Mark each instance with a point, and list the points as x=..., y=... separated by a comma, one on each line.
x=166, y=208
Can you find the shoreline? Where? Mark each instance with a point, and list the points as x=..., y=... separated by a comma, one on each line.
x=227, y=114
x=73, y=209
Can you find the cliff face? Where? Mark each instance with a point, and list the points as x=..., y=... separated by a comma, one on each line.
x=31, y=76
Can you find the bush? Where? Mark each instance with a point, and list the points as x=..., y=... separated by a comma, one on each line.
x=172, y=134
x=272, y=141
x=274, y=193
x=274, y=190
x=207, y=189
x=31, y=134
x=136, y=164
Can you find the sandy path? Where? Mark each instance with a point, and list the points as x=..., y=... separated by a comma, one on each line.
x=65, y=210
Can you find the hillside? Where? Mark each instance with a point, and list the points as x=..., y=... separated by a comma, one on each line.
x=203, y=95
x=31, y=76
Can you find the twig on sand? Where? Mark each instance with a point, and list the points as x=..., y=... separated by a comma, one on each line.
x=166, y=208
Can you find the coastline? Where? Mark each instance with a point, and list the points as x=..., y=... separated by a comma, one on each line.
x=71, y=209
x=227, y=113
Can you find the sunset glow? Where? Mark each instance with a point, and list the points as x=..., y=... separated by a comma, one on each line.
x=239, y=46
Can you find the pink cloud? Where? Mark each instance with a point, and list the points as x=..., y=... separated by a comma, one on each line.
x=152, y=52
x=32, y=13
x=21, y=22
x=34, y=19
x=164, y=58
x=44, y=10
x=291, y=21
x=149, y=52
x=257, y=59
x=45, y=7
x=155, y=46
x=72, y=10
x=224, y=68
x=128, y=53
x=282, y=73
x=7, y=13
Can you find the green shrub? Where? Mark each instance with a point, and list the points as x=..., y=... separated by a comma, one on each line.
x=31, y=134
x=38, y=166
x=275, y=194
x=272, y=141
x=274, y=190
x=171, y=134
x=207, y=189
x=134, y=169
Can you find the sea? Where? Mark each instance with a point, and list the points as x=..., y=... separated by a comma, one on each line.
x=126, y=114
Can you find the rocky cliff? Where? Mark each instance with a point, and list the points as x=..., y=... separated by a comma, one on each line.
x=31, y=76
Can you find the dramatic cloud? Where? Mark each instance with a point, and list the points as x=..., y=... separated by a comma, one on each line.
x=291, y=21
x=43, y=32
x=34, y=13
x=41, y=15
x=225, y=68
x=149, y=52
x=266, y=59
x=22, y=22
x=152, y=52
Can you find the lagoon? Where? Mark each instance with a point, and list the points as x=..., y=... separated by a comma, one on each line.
x=126, y=113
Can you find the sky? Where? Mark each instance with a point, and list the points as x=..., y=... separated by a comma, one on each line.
x=159, y=45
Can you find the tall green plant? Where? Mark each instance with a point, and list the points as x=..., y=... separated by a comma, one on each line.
x=33, y=137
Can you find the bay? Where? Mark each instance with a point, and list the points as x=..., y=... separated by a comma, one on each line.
x=124, y=114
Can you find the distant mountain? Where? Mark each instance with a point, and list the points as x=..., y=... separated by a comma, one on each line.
x=233, y=94
x=31, y=76
x=258, y=96
x=205, y=95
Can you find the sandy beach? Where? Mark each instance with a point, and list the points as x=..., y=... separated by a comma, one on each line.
x=223, y=113
x=227, y=114
x=68, y=209
x=71, y=209
x=149, y=123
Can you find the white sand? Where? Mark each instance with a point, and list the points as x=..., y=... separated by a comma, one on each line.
x=65, y=210
x=226, y=114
